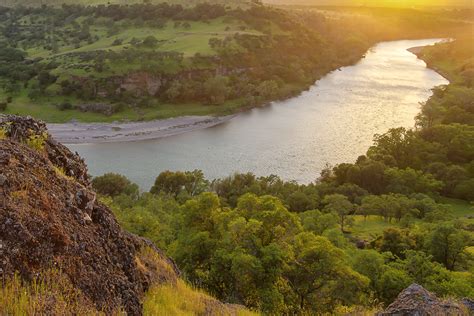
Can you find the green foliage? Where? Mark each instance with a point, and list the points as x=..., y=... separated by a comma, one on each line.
x=183, y=184
x=112, y=184
x=447, y=244
x=339, y=205
x=243, y=245
x=205, y=54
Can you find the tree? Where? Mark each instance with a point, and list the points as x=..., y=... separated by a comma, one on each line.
x=150, y=41
x=371, y=264
x=113, y=184
x=216, y=89
x=392, y=282
x=173, y=183
x=320, y=267
x=447, y=244
x=407, y=181
x=396, y=241
x=318, y=222
x=340, y=205
x=45, y=79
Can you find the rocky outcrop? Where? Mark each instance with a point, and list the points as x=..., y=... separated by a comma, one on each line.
x=142, y=83
x=51, y=218
x=417, y=301
x=51, y=223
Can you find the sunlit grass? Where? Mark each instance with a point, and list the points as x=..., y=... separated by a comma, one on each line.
x=51, y=294
x=459, y=208
x=370, y=227
x=183, y=300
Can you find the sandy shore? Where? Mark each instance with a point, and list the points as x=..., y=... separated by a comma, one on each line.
x=87, y=133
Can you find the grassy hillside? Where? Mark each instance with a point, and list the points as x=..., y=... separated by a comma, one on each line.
x=146, y=61
x=37, y=3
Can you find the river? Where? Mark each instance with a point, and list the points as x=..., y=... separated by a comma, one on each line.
x=333, y=122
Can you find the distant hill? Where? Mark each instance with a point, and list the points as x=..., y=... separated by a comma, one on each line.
x=12, y=3
x=378, y=3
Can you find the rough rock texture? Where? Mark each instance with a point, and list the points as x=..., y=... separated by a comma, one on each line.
x=417, y=301
x=142, y=83
x=50, y=218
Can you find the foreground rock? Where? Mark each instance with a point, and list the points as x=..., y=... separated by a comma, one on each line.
x=51, y=219
x=417, y=301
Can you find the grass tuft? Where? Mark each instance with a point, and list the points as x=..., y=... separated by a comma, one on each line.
x=3, y=133
x=181, y=299
x=37, y=142
x=50, y=294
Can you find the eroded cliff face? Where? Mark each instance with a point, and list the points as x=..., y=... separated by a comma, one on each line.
x=50, y=218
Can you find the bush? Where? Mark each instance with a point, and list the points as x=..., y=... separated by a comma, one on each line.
x=64, y=106
x=3, y=106
x=117, y=42
x=112, y=184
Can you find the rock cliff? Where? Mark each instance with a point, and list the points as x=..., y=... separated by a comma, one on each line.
x=51, y=218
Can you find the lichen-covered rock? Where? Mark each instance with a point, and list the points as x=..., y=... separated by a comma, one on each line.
x=417, y=301
x=50, y=218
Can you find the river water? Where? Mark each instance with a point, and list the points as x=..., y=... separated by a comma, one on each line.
x=333, y=122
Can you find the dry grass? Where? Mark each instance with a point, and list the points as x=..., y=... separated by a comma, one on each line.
x=156, y=266
x=20, y=195
x=181, y=299
x=170, y=295
x=50, y=294
x=3, y=133
x=37, y=141
x=61, y=173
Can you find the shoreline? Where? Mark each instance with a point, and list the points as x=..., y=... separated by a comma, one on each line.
x=96, y=133
x=78, y=133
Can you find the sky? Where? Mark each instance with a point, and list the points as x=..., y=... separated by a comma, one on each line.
x=403, y=3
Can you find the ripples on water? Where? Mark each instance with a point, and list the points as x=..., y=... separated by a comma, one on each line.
x=333, y=122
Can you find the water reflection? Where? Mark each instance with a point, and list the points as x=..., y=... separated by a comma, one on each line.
x=333, y=122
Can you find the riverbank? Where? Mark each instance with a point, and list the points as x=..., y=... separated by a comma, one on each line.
x=418, y=52
x=93, y=133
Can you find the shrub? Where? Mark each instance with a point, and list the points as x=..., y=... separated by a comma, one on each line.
x=3, y=106
x=37, y=141
x=117, y=42
x=64, y=106
x=113, y=184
